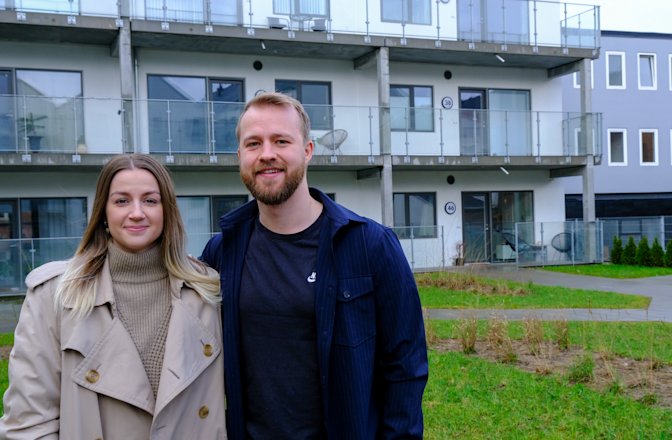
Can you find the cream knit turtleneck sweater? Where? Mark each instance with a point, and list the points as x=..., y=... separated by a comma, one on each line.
x=143, y=303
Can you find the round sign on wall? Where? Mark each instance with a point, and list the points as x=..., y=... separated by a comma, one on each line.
x=450, y=208
x=447, y=102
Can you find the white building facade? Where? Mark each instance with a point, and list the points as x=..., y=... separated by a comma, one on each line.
x=443, y=118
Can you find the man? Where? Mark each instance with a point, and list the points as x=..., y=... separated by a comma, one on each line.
x=323, y=329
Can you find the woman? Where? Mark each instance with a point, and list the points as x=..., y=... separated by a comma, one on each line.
x=124, y=340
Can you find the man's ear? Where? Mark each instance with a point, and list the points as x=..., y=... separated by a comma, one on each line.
x=309, y=148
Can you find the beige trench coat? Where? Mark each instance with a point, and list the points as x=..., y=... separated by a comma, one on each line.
x=85, y=380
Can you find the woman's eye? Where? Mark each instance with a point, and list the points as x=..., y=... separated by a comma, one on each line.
x=120, y=201
x=151, y=201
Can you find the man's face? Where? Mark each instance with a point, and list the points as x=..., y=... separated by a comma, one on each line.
x=272, y=152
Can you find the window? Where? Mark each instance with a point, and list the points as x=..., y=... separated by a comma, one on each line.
x=669, y=69
x=200, y=215
x=618, y=151
x=313, y=8
x=407, y=11
x=411, y=108
x=315, y=97
x=646, y=69
x=615, y=70
x=493, y=21
x=52, y=119
x=648, y=147
x=415, y=215
x=193, y=114
x=577, y=84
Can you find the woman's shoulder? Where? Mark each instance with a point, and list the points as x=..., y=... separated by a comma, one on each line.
x=45, y=273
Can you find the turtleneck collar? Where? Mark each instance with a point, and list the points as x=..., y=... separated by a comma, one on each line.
x=136, y=267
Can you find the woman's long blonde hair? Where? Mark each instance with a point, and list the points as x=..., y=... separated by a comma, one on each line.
x=76, y=287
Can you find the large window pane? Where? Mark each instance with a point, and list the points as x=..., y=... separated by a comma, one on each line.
x=316, y=98
x=178, y=114
x=647, y=71
x=49, y=112
x=510, y=124
x=617, y=147
x=222, y=205
x=615, y=70
x=227, y=102
x=649, y=147
x=411, y=108
x=195, y=213
x=407, y=11
x=416, y=212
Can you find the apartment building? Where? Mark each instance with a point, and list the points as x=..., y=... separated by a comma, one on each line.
x=443, y=118
x=632, y=88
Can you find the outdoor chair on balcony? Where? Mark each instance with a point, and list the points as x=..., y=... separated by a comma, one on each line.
x=526, y=251
x=562, y=242
x=332, y=140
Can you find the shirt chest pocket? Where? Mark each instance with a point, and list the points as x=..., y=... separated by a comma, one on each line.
x=355, y=320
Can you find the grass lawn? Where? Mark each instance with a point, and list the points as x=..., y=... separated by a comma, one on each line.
x=451, y=290
x=470, y=398
x=612, y=270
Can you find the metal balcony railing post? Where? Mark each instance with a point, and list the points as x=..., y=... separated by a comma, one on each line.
x=370, y=135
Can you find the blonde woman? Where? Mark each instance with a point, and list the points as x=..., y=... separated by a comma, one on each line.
x=123, y=341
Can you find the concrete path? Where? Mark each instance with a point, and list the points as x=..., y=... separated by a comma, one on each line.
x=658, y=288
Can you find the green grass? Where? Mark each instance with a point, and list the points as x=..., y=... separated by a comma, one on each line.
x=636, y=340
x=612, y=270
x=540, y=297
x=470, y=398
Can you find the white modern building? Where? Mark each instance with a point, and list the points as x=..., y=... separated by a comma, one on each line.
x=441, y=117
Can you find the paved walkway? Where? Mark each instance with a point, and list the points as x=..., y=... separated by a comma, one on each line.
x=658, y=288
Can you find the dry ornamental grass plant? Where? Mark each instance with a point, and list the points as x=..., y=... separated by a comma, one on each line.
x=498, y=339
x=467, y=282
x=467, y=331
x=534, y=334
x=561, y=334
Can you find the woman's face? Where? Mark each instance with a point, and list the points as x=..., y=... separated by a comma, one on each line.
x=134, y=211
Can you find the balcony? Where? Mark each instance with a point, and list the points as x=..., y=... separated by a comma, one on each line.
x=531, y=33
x=81, y=128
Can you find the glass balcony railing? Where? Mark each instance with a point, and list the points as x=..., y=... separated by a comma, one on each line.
x=526, y=22
x=31, y=124
x=19, y=256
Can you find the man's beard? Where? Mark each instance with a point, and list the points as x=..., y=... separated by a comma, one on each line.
x=269, y=196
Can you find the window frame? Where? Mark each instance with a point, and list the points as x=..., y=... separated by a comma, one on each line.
x=655, y=147
x=408, y=12
x=669, y=70
x=411, y=121
x=654, y=71
x=624, y=133
x=407, y=214
x=607, y=69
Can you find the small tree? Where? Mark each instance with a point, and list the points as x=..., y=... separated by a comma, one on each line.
x=629, y=252
x=668, y=254
x=643, y=254
x=617, y=250
x=657, y=254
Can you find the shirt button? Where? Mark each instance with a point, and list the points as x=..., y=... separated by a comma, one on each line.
x=207, y=350
x=346, y=294
x=92, y=376
x=203, y=411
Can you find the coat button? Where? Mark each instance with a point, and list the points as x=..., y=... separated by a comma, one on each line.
x=203, y=411
x=346, y=294
x=92, y=376
x=207, y=350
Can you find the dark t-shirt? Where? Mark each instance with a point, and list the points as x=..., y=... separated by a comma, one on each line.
x=277, y=319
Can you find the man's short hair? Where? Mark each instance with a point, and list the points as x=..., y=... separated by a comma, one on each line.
x=281, y=100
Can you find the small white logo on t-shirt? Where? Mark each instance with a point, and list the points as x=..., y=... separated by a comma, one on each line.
x=311, y=278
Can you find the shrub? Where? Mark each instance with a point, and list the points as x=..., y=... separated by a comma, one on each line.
x=630, y=252
x=643, y=254
x=616, y=255
x=668, y=254
x=657, y=254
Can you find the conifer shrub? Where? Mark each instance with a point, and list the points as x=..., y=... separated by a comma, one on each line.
x=630, y=252
x=616, y=254
x=657, y=254
x=643, y=254
x=667, y=261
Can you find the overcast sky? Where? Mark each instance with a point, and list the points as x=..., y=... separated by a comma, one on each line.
x=633, y=15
